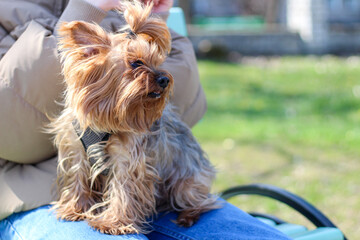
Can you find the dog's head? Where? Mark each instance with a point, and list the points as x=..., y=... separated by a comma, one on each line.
x=114, y=83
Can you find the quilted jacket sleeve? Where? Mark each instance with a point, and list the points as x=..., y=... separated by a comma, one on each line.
x=30, y=81
x=189, y=97
x=29, y=84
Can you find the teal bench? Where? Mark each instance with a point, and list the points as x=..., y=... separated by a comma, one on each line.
x=300, y=232
x=325, y=229
x=176, y=21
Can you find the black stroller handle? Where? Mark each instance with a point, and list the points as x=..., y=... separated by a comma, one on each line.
x=281, y=195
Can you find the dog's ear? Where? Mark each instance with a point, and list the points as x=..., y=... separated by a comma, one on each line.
x=88, y=38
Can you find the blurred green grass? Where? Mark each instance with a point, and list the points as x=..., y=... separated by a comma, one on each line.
x=292, y=122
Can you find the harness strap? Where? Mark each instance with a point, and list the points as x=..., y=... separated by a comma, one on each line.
x=130, y=34
x=90, y=138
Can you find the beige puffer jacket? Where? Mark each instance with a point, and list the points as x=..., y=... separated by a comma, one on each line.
x=30, y=83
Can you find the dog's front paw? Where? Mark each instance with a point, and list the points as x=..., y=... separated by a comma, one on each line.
x=187, y=218
x=69, y=214
x=114, y=229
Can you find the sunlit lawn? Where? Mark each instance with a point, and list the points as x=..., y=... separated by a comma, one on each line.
x=292, y=122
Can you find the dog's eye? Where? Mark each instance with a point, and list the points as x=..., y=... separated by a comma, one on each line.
x=136, y=64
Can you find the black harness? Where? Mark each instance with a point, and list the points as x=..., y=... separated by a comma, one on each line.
x=130, y=34
x=90, y=138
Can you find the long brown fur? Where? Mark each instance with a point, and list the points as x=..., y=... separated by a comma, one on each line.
x=154, y=162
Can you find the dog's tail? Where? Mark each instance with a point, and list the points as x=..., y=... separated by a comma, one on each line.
x=142, y=23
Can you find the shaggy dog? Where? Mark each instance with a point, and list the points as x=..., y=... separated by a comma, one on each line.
x=124, y=154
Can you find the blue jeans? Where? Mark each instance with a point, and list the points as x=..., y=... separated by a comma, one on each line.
x=228, y=222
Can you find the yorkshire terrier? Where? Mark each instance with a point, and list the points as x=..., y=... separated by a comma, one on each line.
x=124, y=154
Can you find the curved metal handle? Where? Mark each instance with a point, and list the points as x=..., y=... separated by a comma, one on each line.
x=281, y=195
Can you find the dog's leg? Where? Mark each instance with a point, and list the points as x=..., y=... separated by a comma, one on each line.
x=186, y=173
x=129, y=193
x=190, y=195
x=75, y=195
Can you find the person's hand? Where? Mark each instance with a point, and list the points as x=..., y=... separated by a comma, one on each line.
x=160, y=5
x=105, y=5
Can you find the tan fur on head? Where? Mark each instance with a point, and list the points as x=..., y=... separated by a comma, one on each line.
x=104, y=91
x=114, y=84
x=152, y=29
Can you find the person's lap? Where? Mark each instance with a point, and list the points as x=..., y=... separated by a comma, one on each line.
x=228, y=222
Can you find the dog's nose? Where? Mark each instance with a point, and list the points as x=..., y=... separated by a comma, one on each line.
x=163, y=81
